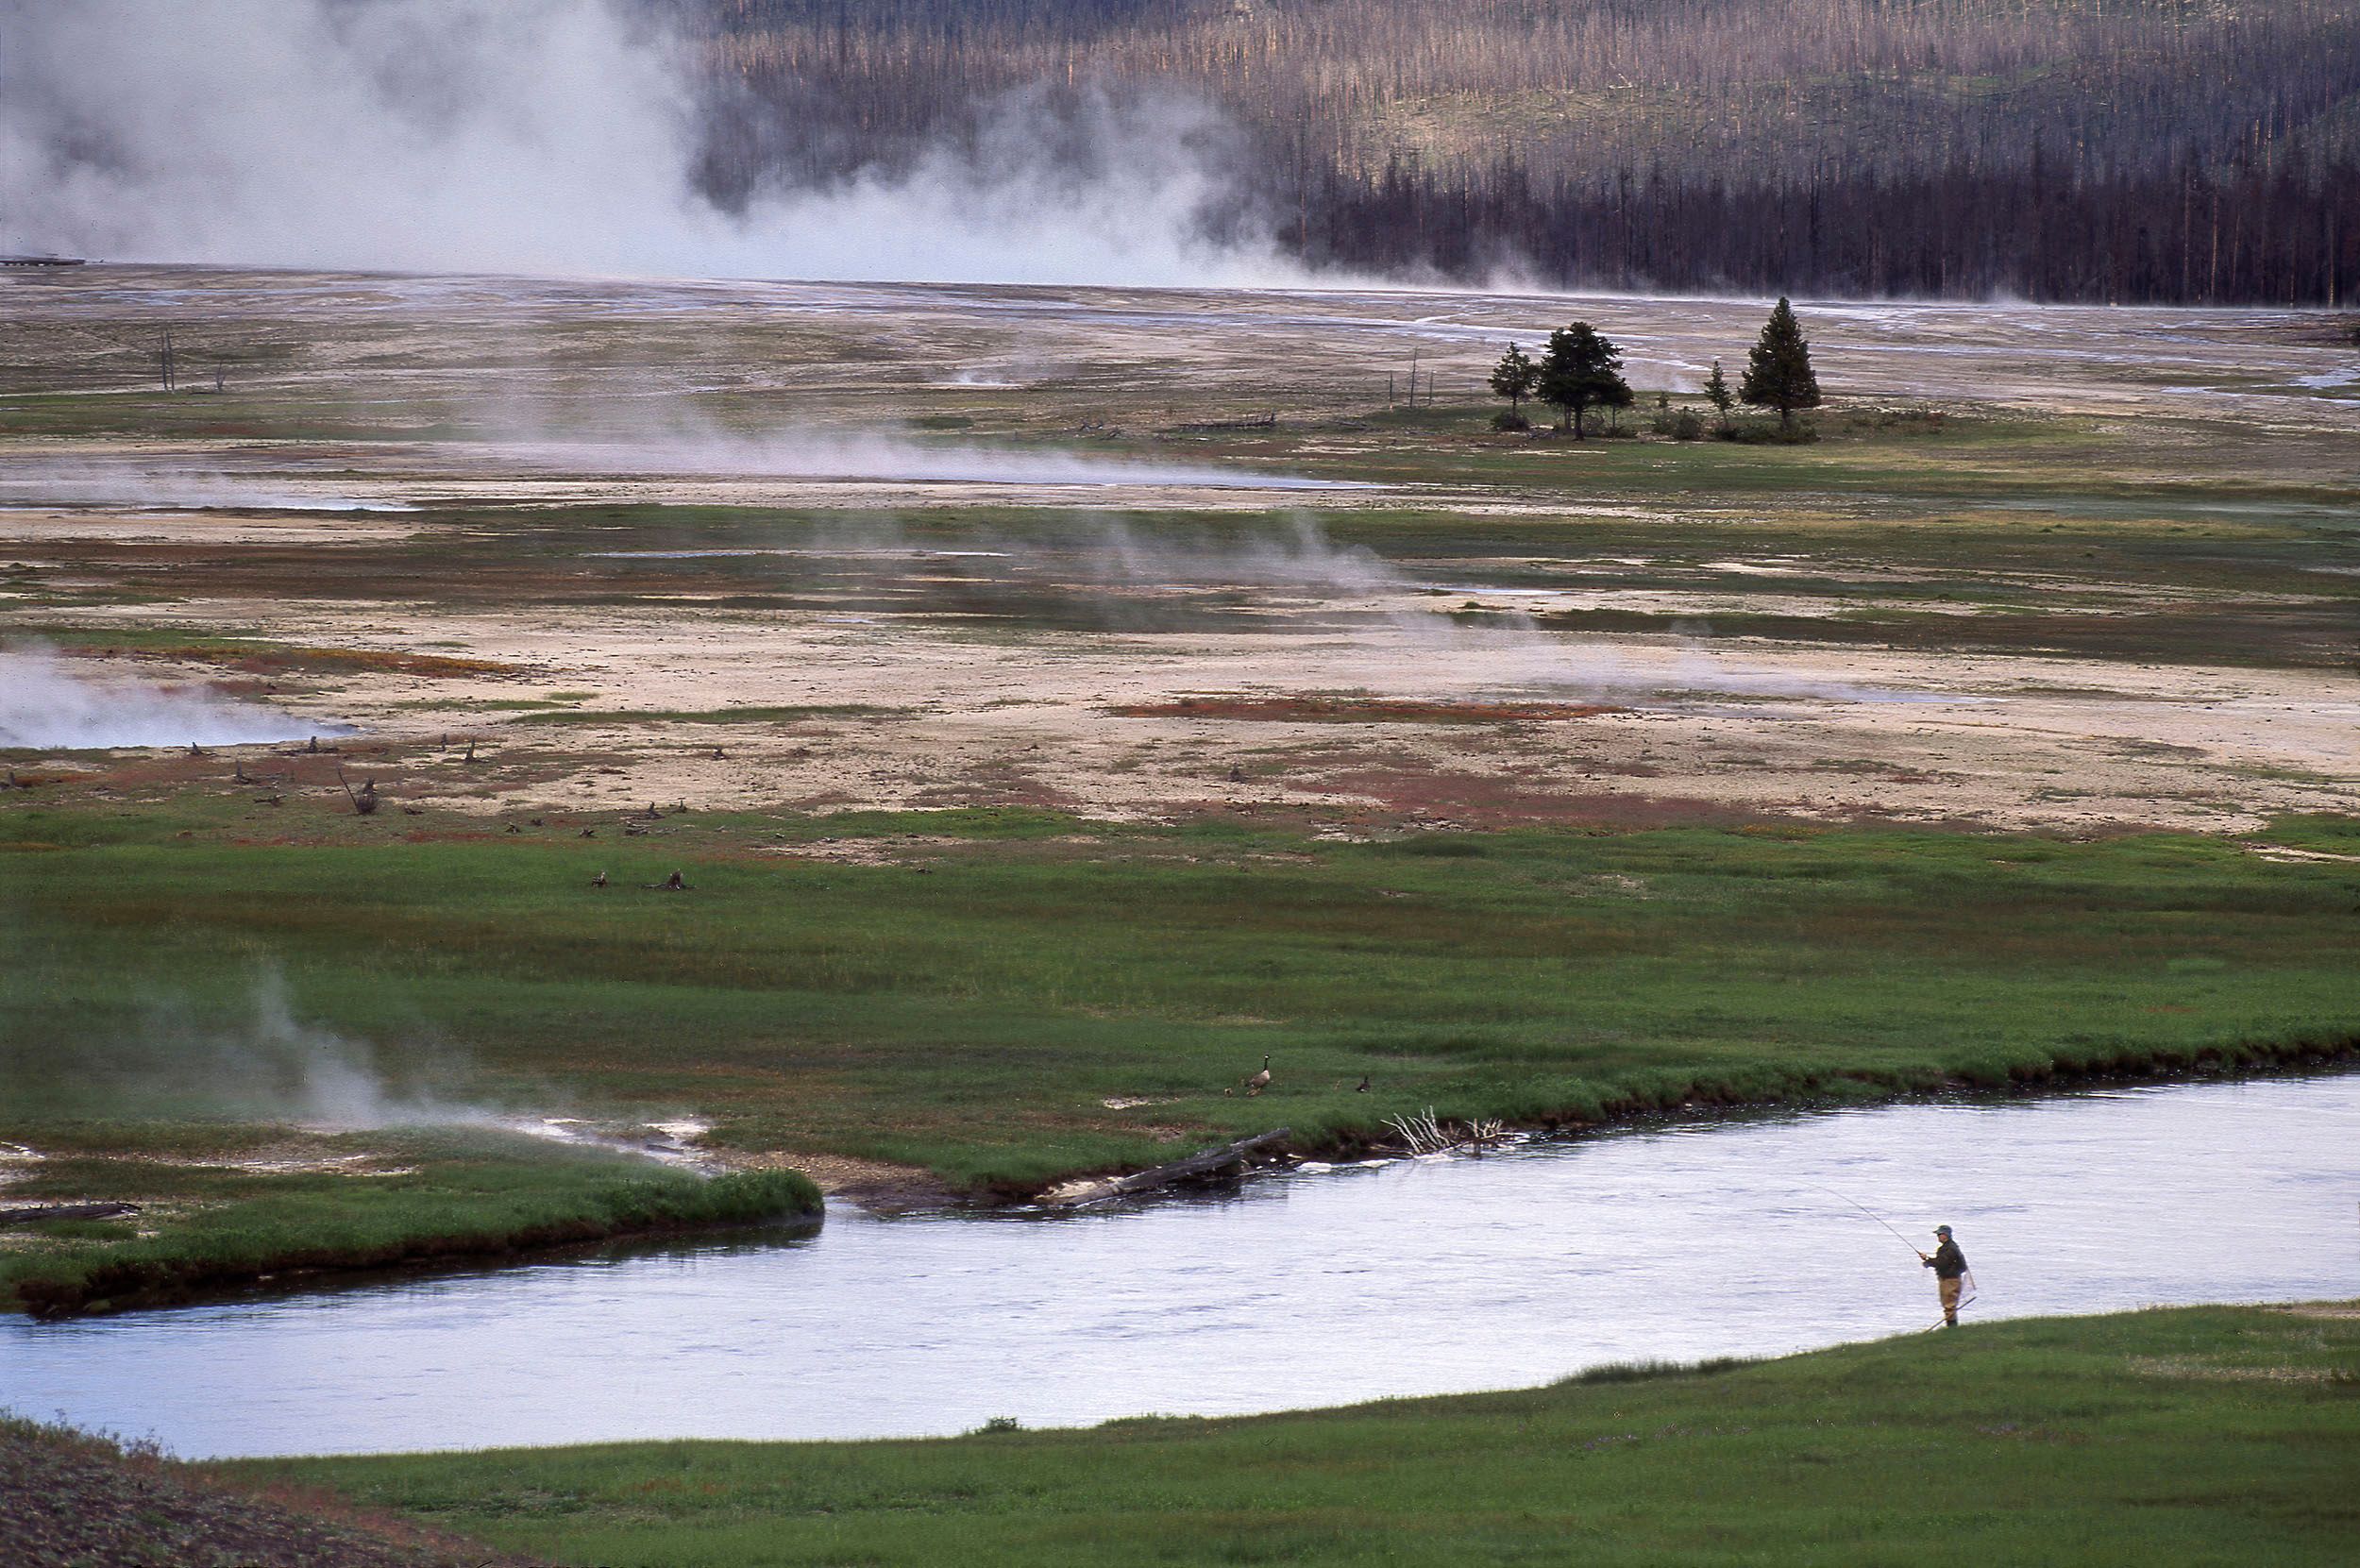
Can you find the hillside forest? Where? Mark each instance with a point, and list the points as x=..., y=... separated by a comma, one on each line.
x=2198, y=151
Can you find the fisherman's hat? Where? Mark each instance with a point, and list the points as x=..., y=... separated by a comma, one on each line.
x=1942, y=1230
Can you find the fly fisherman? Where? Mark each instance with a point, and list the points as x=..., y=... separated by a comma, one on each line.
x=1949, y=1267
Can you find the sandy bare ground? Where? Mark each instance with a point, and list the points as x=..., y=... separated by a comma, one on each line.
x=1753, y=726
x=499, y=394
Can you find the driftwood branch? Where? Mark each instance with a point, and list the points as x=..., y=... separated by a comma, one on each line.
x=1422, y=1134
x=1198, y=1167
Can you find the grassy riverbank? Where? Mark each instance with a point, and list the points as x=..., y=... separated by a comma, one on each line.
x=2211, y=1435
x=977, y=1019
x=225, y=1206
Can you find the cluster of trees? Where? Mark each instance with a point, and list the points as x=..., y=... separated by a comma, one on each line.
x=2062, y=150
x=1582, y=369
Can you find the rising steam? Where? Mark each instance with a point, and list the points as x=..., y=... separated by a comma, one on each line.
x=49, y=704
x=807, y=455
x=537, y=136
x=281, y=1069
x=148, y=481
x=259, y=1062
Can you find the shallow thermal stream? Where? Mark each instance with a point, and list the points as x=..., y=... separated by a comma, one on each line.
x=1314, y=1289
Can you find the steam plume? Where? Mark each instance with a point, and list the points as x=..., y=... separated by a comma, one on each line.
x=148, y=481
x=535, y=136
x=46, y=703
x=257, y=1061
x=283, y=1069
x=805, y=455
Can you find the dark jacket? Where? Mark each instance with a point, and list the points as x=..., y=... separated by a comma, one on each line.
x=1947, y=1262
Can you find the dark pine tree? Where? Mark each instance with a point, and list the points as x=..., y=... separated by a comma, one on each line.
x=1718, y=391
x=1579, y=372
x=1514, y=379
x=1778, y=372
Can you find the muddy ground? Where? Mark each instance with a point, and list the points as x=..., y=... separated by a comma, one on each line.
x=70, y=1501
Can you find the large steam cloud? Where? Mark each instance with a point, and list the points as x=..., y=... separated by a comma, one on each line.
x=548, y=136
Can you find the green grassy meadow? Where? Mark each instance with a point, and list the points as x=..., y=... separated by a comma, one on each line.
x=970, y=1000
x=2204, y=1436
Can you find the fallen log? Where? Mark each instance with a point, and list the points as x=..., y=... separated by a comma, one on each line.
x=64, y=1211
x=1197, y=1167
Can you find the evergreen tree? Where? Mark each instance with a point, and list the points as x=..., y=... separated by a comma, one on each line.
x=1579, y=373
x=1515, y=377
x=1717, y=391
x=1778, y=372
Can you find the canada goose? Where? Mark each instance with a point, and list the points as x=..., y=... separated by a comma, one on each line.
x=1363, y=1086
x=599, y=881
x=1260, y=1081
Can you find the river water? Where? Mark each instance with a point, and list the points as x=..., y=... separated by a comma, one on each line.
x=1319, y=1287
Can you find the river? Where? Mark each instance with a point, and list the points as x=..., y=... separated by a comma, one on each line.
x=1678, y=1241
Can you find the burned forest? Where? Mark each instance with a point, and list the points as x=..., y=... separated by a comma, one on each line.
x=2060, y=150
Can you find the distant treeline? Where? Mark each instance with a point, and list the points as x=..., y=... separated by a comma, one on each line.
x=2118, y=239
x=2067, y=149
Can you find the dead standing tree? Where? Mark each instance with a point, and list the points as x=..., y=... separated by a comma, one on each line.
x=365, y=799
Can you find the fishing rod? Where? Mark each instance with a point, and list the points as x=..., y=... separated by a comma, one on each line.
x=1971, y=1292
x=1873, y=1215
